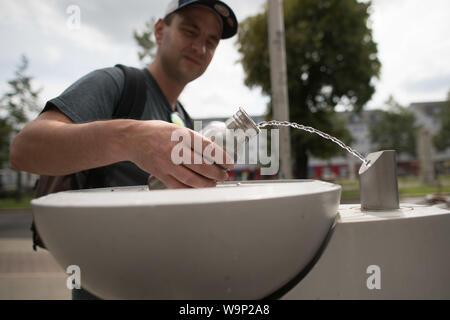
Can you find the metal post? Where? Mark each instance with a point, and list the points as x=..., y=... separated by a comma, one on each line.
x=378, y=181
x=278, y=77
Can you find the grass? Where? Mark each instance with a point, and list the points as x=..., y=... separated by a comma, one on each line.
x=9, y=199
x=407, y=187
x=11, y=203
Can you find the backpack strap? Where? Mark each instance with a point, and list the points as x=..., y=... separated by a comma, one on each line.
x=189, y=122
x=134, y=95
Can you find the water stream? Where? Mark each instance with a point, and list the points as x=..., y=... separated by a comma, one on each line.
x=312, y=130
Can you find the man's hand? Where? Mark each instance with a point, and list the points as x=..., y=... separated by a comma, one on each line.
x=150, y=148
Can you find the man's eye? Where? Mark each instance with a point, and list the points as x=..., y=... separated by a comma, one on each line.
x=189, y=32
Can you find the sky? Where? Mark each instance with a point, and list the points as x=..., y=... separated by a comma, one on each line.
x=413, y=38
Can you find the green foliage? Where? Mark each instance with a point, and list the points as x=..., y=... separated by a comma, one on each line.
x=331, y=60
x=395, y=129
x=5, y=133
x=21, y=99
x=442, y=139
x=18, y=103
x=145, y=42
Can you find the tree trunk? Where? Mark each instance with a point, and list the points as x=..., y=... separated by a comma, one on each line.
x=19, y=186
x=301, y=164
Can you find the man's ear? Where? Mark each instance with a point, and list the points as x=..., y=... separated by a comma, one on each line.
x=159, y=31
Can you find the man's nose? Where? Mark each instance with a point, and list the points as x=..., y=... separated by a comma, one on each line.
x=199, y=46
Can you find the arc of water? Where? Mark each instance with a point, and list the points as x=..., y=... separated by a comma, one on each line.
x=313, y=130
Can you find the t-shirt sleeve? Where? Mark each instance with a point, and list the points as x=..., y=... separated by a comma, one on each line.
x=91, y=98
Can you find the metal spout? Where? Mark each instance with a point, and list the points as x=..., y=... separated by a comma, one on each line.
x=241, y=120
x=378, y=181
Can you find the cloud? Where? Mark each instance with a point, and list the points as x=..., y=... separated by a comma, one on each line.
x=115, y=18
x=413, y=39
x=433, y=84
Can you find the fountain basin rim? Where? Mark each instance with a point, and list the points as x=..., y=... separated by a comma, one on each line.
x=140, y=196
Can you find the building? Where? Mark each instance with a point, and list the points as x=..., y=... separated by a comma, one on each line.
x=8, y=179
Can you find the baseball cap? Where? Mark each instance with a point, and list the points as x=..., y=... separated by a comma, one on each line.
x=229, y=21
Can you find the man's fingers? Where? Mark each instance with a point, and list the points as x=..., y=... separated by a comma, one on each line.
x=191, y=178
x=210, y=152
x=205, y=166
x=210, y=171
x=172, y=183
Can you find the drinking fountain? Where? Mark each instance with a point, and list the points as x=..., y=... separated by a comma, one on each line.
x=270, y=239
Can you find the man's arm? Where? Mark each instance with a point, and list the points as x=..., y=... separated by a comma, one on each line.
x=53, y=145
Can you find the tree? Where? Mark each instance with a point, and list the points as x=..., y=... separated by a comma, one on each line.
x=18, y=103
x=145, y=41
x=5, y=133
x=442, y=139
x=331, y=60
x=395, y=129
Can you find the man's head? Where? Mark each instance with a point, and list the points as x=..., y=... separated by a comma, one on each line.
x=188, y=35
x=223, y=11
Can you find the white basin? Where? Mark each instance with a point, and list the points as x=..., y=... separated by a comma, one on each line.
x=236, y=241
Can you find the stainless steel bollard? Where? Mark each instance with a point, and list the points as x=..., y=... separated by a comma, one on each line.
x=378, y=181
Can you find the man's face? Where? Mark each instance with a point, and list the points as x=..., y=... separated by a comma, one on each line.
x=189, y=42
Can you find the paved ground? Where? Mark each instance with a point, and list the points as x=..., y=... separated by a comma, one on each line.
x=26, y=274
x=15, y=224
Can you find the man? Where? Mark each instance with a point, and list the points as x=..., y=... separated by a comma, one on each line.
x=75, y=132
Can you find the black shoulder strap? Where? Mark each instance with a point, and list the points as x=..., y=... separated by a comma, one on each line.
x=134, y=95
x=189, y=122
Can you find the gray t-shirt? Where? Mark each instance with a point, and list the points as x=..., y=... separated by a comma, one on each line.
x=95, y=96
